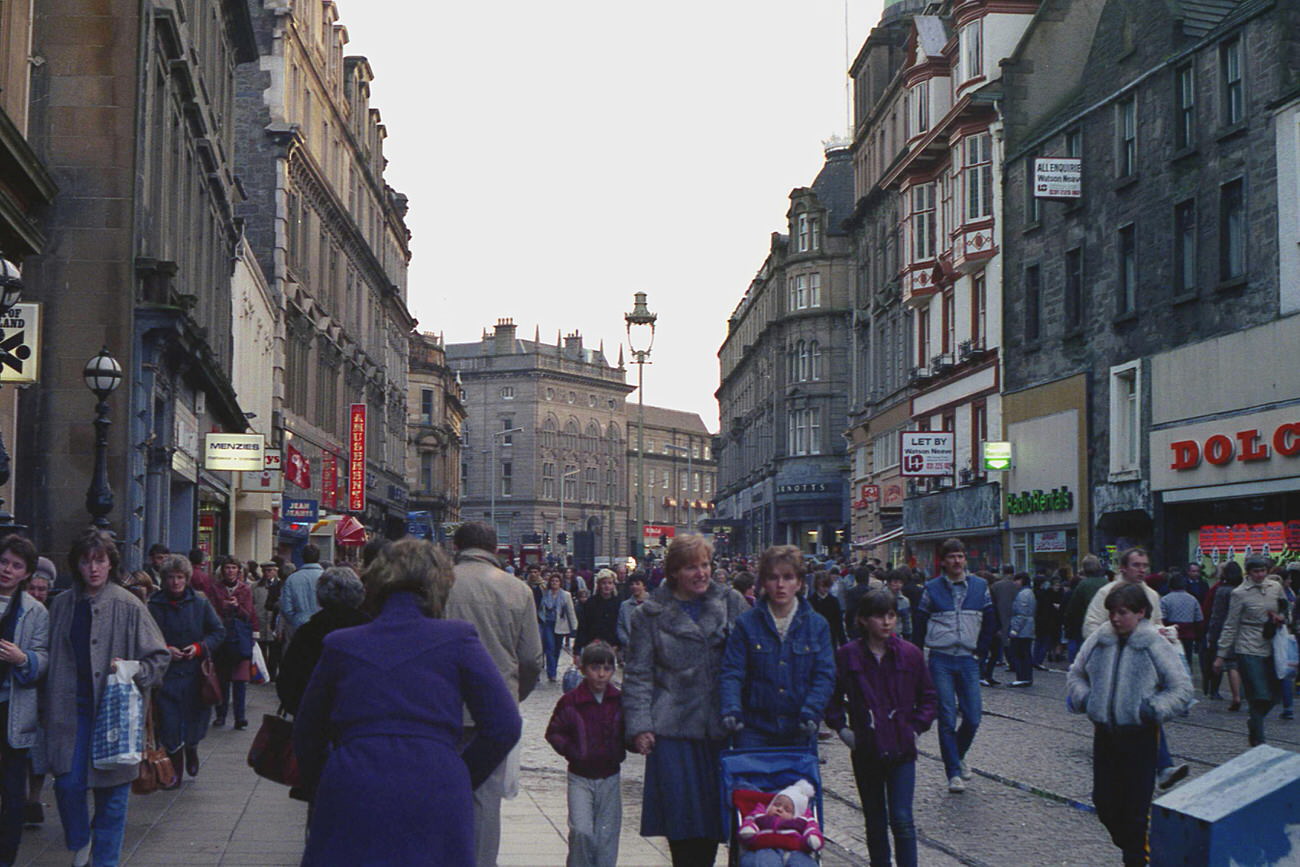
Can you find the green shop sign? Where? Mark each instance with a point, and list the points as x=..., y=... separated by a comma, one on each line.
x=1031, y=502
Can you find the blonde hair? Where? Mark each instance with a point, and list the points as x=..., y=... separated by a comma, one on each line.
x=410, y=566
x=683, y=551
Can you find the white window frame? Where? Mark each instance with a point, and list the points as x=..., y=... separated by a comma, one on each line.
x=920, y=113
x=1126, y=421
x=923, y=222
x=972, y=50
x=507, y=392
x=977, y=176
x=885, y=450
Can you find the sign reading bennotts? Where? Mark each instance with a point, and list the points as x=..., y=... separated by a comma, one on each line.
x=357, y=459
x=928, y=453
x=234, y=452
x=1058, y=178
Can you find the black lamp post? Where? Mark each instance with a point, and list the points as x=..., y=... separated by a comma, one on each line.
x=640, y=339
x=11, y=289
x=102, y=376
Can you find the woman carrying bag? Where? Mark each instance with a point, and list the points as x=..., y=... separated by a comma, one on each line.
x=558, y=621
x=93, y=626
x=193, y=632
x=233, y=600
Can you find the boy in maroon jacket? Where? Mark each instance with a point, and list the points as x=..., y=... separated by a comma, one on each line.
x=587, y=729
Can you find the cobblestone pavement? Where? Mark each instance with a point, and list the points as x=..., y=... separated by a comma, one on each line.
x=1027, y=805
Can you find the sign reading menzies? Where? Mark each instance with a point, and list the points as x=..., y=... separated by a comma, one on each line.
x=234, y=452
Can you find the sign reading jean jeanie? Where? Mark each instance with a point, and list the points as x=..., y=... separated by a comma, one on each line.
x=927, y=453
x=1031, y=502
x=357, y=459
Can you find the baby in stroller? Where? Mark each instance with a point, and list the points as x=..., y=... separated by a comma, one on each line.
x=780, y=830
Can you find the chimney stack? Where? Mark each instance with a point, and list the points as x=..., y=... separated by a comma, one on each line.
x=503, y=340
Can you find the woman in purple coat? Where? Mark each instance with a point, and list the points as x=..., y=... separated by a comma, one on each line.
x=378, y=731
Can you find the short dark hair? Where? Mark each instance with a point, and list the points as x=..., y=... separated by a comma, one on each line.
x=1131, y=552
x=1178, y=582
x=898, y=573
x=475, y=534
x=22, y=548
x=1008, y=569
x=597, y=653
x=372, y=549
x=197, y=556
x=1021, y=577
x=1230, y=573
x=310, y=553
x=158, y=548
x=1130, y=596
x=92, y=541
x=226, y=559
x=951, y=546
x=634, y=578
x=875, y=603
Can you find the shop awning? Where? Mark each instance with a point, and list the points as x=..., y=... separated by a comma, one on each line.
x=349, y=531
x=888, y=536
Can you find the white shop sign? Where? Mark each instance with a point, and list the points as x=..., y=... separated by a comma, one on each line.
x=234, y=452
x=927, y=453
x=1058, y=178
x=1050, y=542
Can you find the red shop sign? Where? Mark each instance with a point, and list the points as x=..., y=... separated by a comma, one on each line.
x=357, y=459
x=1247, y=446
x=297, y=468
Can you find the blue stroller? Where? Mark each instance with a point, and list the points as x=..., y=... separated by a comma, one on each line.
x=746, y=772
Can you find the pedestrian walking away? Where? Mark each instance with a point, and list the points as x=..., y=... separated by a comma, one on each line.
x=502, y=609
x=378, y=732
x=956, y=616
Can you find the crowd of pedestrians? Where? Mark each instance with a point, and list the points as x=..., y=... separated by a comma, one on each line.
x=404, y=678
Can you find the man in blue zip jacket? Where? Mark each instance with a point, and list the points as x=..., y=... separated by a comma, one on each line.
x=956, y=616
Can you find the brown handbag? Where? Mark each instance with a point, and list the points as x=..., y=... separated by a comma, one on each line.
x=209, y=685
x=156, y=769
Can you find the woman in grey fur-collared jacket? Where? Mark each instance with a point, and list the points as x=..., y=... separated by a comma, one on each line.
x=1128, y=679
x=671, y=701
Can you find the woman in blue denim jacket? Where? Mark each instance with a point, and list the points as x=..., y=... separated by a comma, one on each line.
x=778, y=670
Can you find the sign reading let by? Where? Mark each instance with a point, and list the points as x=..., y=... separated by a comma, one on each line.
x=357, y=459
x=234, y=452
x=927, y=453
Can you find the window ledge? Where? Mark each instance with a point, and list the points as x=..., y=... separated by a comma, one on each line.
x=1186, y=297
x=1126, y=181
x=1184, y=153
x=1031, y=227
x=1232, y=284
x=1231, y=132
x=1125, y=318
x=1133, y=475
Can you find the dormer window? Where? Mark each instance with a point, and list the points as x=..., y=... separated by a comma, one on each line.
x=809, y=231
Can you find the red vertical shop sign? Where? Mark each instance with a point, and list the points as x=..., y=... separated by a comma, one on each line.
x=357, y=459
x=329, y=480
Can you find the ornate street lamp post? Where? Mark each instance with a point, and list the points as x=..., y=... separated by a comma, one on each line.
x=102, y=376
x=640, y=339
x=11, y=289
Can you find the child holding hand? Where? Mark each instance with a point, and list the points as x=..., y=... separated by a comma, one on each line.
x=782, y=832
x=587, y=729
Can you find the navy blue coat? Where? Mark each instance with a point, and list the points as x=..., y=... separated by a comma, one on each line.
x=182, y=716
x=772, y=684
x=377, y=737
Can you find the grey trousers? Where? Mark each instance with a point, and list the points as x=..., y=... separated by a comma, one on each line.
x=487, y=817
x=595, y=821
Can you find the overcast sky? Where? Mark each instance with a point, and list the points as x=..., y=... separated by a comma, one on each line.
x=561, y=156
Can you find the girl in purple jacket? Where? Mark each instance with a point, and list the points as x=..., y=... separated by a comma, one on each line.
x=883, y=684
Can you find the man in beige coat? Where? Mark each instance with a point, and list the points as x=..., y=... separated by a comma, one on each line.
x=501, y=608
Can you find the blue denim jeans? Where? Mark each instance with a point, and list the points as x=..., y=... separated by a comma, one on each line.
x=70, y=789
x=957, y=681
x=886, y=793
x=551, y=646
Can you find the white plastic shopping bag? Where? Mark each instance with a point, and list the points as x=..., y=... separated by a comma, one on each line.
x=1286, y=656
x=119, y=724
x=258, y=672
